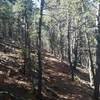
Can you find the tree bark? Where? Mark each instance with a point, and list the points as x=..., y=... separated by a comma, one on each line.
x=97, y=76
x=39, y=51
x=69, y=50
x=91, y=60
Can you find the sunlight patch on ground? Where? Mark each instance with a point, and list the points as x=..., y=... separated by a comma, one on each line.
x=83, y=70
x=51, y=59
x=19, y=82
x=63, y=97
x=1, y=72
x=82, y=81
x=9, y=54
x=53, y=73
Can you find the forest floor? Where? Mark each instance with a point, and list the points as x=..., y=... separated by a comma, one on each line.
x=57, y=83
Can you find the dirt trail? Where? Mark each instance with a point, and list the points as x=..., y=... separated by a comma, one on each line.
x=58, y=84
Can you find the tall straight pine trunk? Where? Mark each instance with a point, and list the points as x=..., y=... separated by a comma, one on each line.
x=69, y=50
x=97, y=76
x=39, y=51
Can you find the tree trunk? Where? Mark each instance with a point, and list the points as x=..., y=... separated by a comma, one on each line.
x=69, y=50
x=39, y=52
x=91, y=67
x=97, y=76
x=75, y=52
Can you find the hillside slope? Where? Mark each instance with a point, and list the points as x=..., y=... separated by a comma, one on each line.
x=57, y=83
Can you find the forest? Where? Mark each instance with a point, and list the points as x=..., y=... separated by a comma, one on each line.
x=49, y=49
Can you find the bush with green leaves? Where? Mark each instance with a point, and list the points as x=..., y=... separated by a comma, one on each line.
x=23, y=52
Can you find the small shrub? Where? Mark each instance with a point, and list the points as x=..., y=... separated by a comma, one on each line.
x=23, y=52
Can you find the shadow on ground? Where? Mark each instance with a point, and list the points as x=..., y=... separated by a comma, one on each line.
x=58, y=84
